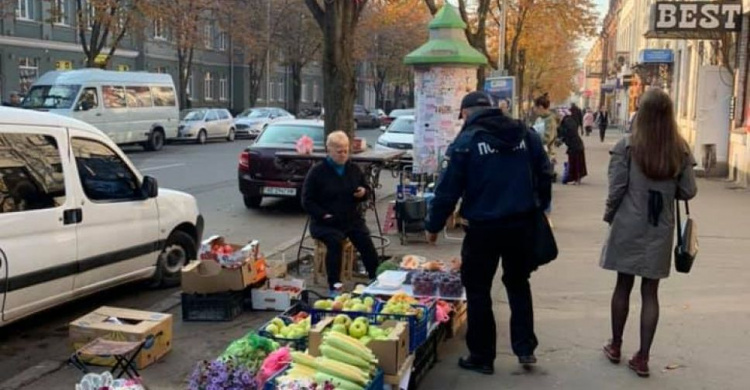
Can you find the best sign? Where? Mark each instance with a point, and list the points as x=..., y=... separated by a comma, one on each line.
x=698, y=16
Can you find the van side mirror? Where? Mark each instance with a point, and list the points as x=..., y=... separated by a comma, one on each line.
x=85, y=105
x=150, y=188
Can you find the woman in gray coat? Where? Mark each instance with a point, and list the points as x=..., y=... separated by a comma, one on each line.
x=647, y=172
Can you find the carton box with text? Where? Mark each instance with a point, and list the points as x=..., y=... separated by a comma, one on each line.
x=118, y=324
x=232, y=255
x=391, y=353
x=277, y=295
x=208, y=276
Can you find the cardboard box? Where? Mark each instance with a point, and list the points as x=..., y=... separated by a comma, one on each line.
x=208, y=276
x=395, y=380
x=457, y=319
x=268, y=299
x=131, y=325
x=391, y=353
x=276, y=268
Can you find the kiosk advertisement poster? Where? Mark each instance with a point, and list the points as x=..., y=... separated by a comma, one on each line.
x=438, y=91
x=500, y=88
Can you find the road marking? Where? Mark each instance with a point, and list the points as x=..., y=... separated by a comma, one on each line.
x=156, y=168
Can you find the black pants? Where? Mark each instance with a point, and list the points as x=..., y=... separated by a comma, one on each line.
x=359, y=235
x=588, y=130
x=602, y=132
x=481, y=253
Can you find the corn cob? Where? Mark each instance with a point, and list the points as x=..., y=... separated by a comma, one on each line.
x=303, y=359
x=343, y=357
x=342, y=370
x=302, y=369
x=351, y=345
x=341, y=384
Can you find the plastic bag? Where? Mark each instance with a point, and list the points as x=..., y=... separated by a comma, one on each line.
x=274, y=362
x=304, y=145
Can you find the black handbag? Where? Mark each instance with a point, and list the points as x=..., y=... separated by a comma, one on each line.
x=687, y=240
x=544, y=244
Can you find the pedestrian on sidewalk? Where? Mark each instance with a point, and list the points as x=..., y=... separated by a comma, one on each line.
x=588, y=122
x=577, y=115
x=602, y=121
x=546, y=125
x=569, y=135
x=648, y=170
x=331, y=194
x=499, y=169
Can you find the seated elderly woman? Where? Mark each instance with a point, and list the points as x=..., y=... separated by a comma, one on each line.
x=332, y=190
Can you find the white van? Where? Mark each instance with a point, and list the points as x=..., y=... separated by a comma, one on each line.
x=130, y=107
x=77, y=217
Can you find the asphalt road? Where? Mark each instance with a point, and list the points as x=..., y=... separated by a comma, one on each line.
x=208, y=172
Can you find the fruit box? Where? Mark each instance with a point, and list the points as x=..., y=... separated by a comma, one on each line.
x=208, y=276
x=268, y=298
x=130, y=325
x=391, y=353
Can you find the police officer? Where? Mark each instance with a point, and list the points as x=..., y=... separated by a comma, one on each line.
x=491, y=166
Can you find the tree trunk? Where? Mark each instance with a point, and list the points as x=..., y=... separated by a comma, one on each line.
x=339, y=72
x=481, y=75
x=256, y=70
x=379, y=86
x=184, y=65
x=411, y=92
x=296, y=86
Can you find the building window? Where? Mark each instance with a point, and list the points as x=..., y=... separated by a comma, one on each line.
x=281, y=92
x=270, y=89
x=90, y=14
x=315, y=98
x=222, y=44
x=160, y=69
x=207, y=36
x=208, y=87
x=23, y=9
x=304, y=92
x=159, y=31
x=189, y=86
x=60, y=12
x=28, y=72
x=223, y=89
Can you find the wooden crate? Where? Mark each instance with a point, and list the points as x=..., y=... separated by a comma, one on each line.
x=347, y=262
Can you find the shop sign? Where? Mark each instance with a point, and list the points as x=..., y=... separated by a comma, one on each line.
x=694, y=19
x=656, y=56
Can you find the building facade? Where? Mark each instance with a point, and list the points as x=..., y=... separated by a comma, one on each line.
x=32, y=44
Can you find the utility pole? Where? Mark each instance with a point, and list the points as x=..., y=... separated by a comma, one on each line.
x=501, y=37
x=268, y=54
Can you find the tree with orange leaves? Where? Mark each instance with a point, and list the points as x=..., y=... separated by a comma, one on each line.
x=388, y=31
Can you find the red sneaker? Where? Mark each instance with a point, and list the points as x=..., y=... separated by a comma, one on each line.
x=612, y=352
x=639, y=364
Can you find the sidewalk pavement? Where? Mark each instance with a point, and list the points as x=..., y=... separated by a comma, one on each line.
x=705, y=316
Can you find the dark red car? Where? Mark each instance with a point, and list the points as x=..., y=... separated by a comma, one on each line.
x=261, y=174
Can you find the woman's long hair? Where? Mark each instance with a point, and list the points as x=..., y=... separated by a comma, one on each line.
x=656, y=144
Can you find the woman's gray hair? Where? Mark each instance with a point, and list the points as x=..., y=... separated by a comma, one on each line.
x=338, y=138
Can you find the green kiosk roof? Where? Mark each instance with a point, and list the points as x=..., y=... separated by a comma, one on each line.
x=447, y=44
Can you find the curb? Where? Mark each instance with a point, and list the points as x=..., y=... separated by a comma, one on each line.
x=32, y=374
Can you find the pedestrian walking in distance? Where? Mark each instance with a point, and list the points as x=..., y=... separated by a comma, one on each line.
x=588, y=122
x=602, y=121
x=578, y=116
x=491, y=166
x=569, y=135
x=648, y=170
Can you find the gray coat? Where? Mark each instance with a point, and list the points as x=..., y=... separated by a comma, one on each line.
x=634, y=245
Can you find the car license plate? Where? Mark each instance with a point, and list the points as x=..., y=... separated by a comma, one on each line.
x=282, y=191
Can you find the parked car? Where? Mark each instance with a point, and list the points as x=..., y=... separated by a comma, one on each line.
x=365, y=119
x=253, y=120
x=399, y=136
x=385, y=122
x=258, y=172
x=77, y=217
x=130, y=107
x=200, y=124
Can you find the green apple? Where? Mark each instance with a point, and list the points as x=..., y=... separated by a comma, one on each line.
x=343, y=319
x=362, y=319
x=341, y=328
x=365, y=340
x=284, y=332
x=369, y=301
x=356, y=301
x=272, y=329
x=359, y=308
x=320, y=305
x=278, y=322
x=358, y=329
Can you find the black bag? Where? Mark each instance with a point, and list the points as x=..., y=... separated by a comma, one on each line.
x=544, y=244
x=687, y=240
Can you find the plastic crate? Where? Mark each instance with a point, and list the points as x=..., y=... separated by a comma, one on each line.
x=418, y=329
x=212, y=307
x=299, y=344
x=377, y=382
x=318, y=315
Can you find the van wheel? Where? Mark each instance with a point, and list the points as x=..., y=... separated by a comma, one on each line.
x=230, y=136
x=179, y=250
x=155, y=141
x=202, y=137
x=252, y=202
